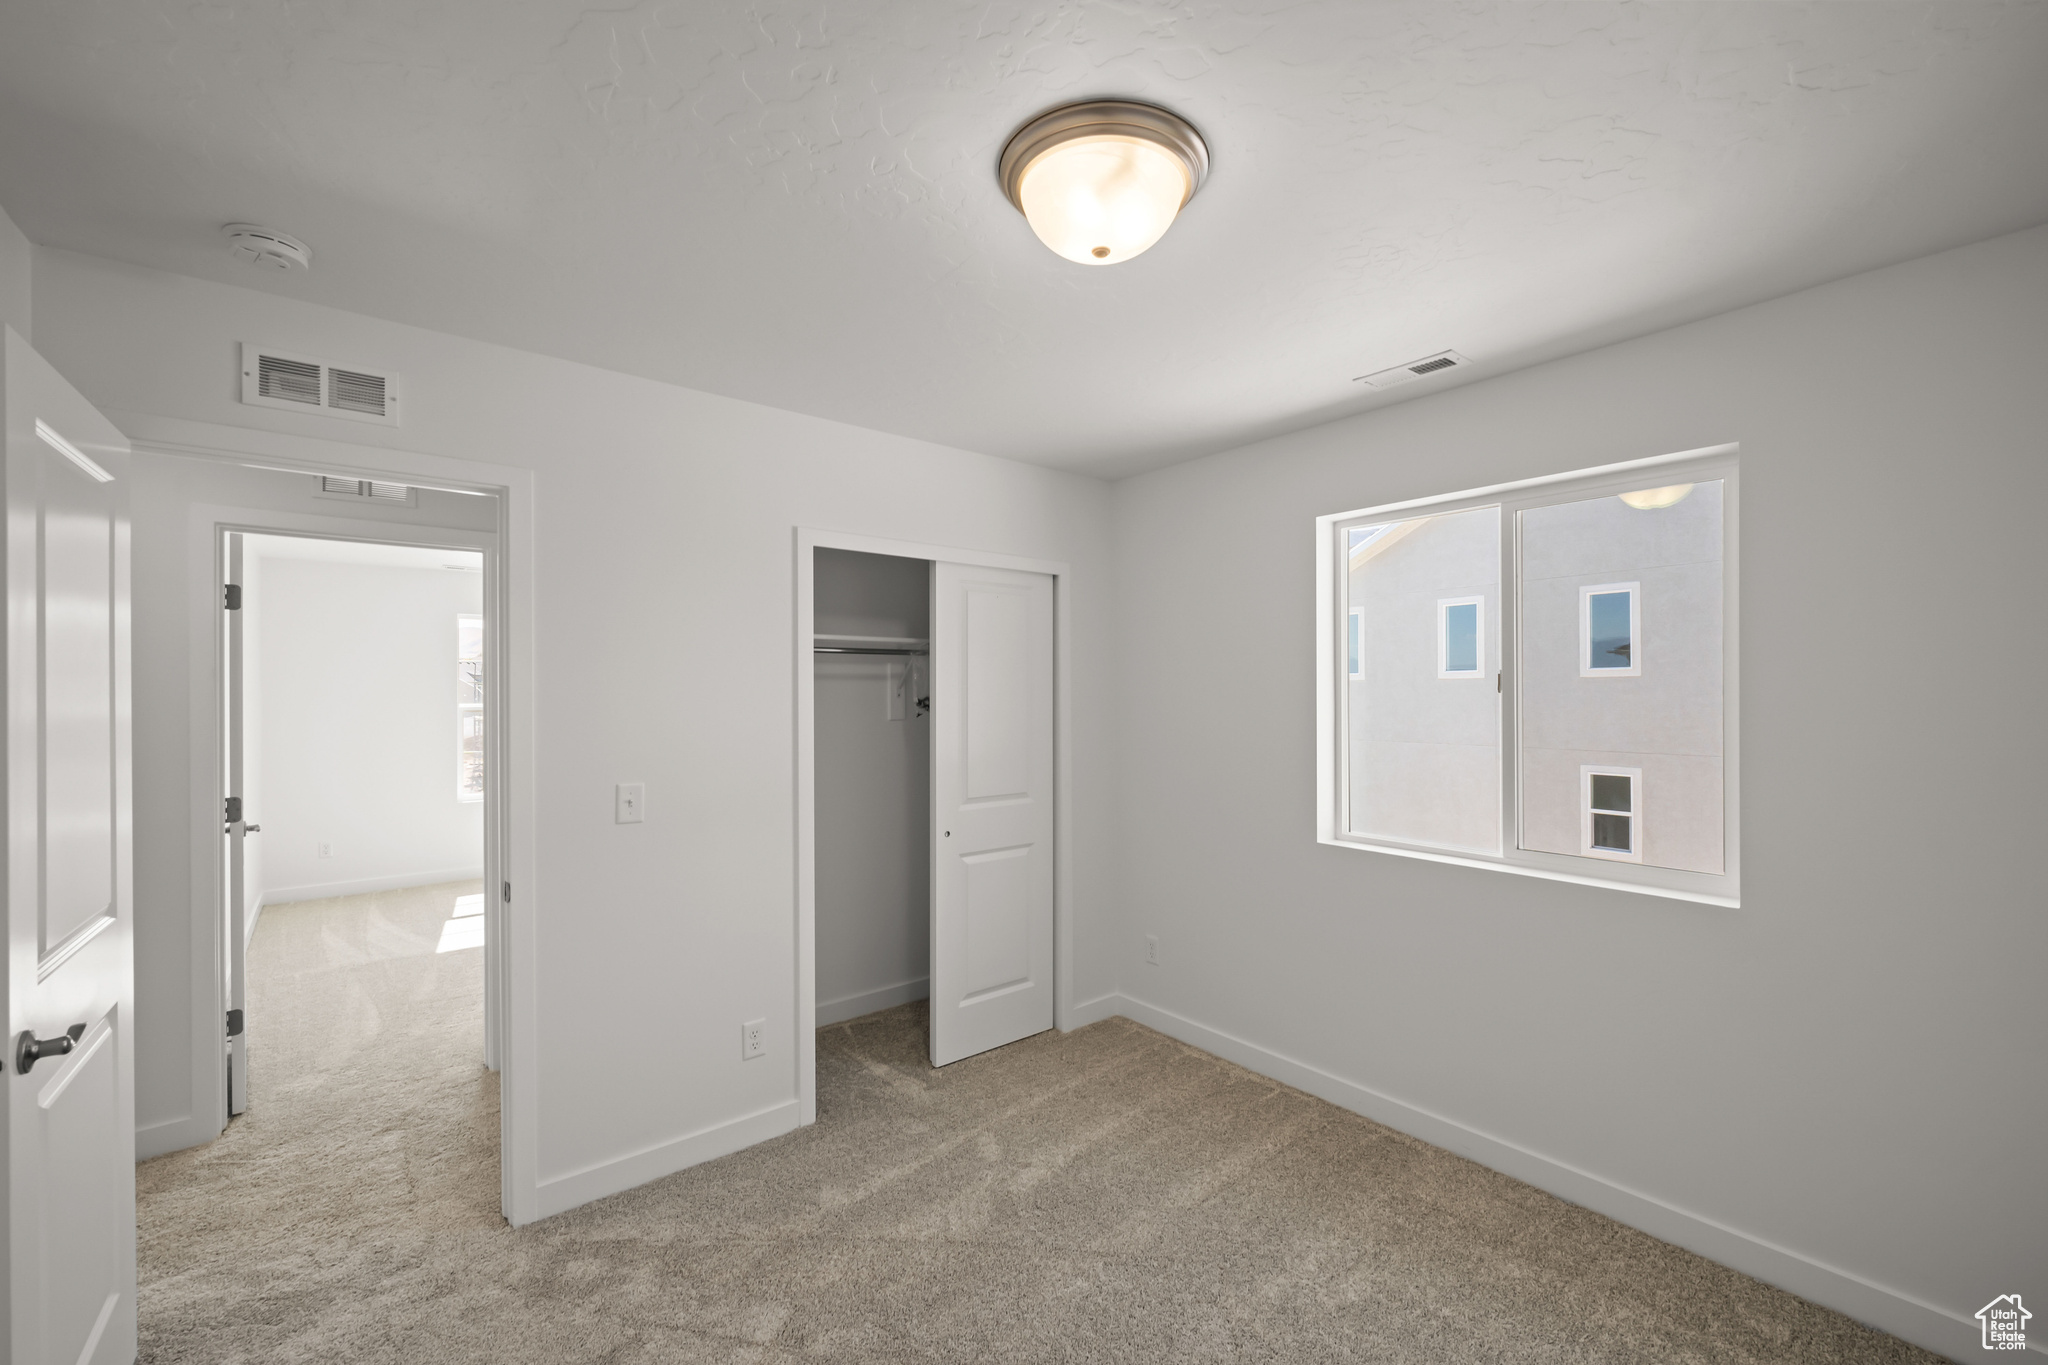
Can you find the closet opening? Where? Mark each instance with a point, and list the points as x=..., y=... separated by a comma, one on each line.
x=928, y=867
x=871, y=642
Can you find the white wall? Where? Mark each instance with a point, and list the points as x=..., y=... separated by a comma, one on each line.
x=873, y=918
x=665, y=582
x=1841, y=1085
x=16, y=277
x=358, y=730
x=177, y=1040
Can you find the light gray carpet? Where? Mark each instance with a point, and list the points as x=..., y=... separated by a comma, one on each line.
x=1109, y=1195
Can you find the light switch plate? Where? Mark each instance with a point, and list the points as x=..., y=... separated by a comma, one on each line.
x=632, y=803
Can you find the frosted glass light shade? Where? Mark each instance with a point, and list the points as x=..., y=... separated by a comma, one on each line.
x=1650, y=499
x=1104, y=199
x=1103, y=180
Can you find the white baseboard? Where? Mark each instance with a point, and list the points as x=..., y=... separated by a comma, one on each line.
x=853, y=1006
x=1937, y=1329
x=173, y=1135
x=558, y=1194
x=320, y=891
x=1093, y=1011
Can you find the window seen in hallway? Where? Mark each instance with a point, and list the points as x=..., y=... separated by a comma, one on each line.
x=469, y=708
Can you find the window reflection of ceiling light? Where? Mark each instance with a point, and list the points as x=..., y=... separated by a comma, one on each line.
x=1650, y=499
x=1101, y=181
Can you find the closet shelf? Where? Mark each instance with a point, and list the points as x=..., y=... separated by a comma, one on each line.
x=869, y=644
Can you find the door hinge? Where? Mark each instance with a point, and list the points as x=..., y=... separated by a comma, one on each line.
x=508, y=893
x=234, y=1023
x=234, y=596
x=234, y=805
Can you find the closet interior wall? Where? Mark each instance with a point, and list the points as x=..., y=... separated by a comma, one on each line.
x=873, y=789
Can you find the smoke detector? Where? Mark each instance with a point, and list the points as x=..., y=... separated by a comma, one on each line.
x=267, y=246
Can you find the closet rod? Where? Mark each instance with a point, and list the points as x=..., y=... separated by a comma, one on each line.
x=842, y=649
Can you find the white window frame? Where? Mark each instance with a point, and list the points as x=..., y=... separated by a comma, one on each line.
x=1354, y=644
x=464, y=710
x=1333, y=778
x=1587, y=848
x=1443, y=637
x=1635, y=630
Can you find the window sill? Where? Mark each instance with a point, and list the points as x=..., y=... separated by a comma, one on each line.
x=1524, y=870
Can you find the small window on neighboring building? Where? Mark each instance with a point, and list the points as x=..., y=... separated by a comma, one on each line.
x=1610, y=635
x=1613, y=813
x=1354, y=644
x=1460, y=652
x=469, y=708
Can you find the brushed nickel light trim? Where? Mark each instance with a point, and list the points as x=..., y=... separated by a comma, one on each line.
x=1095, y=118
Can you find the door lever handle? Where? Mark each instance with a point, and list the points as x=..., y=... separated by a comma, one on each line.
x=252, y=829
x=29, y=1049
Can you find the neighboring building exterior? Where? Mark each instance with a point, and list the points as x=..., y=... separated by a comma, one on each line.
x=1620, y=678
x=1425, y=748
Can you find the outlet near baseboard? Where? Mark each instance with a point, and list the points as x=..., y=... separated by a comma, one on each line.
x=1152, y=950
x=753, y=1039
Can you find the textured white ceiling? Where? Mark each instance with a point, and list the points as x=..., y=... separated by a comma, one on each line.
x=795, y=203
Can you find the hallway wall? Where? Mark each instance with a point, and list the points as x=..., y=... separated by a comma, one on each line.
x=17, y=277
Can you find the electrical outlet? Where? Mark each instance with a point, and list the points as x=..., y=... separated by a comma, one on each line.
x=1152, y=949
x=632, y=803
x=326, y=849
x=753, y=1039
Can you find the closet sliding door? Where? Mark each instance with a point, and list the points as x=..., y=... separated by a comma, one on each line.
x=992, y=808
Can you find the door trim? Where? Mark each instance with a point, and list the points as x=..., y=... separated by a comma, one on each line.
x=806, y=778
x=509, y=834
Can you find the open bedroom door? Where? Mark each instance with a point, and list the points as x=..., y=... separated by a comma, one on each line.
x=992, y=808
x=69, y=1276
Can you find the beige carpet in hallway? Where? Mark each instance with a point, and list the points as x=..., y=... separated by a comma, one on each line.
x=1109, y=1195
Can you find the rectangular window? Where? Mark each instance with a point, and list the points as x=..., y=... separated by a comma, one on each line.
x=1541, y=586
x=1609, y=631
x=469, y=708
x=1459, y=650
x=1611, y=820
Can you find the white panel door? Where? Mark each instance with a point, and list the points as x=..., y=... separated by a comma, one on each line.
x=69, y=1277
x=992, y=808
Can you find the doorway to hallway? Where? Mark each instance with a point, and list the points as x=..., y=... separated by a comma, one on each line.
x=353, y=760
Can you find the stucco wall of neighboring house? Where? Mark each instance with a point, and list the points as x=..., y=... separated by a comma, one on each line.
x=1425, y=750
x=1667, y=720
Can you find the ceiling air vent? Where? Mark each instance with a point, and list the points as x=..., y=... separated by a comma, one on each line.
x=301, y=383
x=333, y=486
x=1413, y=370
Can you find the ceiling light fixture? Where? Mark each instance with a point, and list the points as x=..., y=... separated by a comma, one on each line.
x=267, y=246
x=1650, y=499
x=1101, y=181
